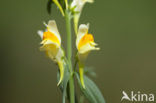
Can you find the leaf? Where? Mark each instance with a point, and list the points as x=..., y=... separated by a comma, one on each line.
x=86, y=92
x=49, y=5
x=91, y=92
x=94, y=89
x=63, y=85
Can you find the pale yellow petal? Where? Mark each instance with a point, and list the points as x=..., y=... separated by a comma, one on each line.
x=59, y=55
x=89, y=1
x=46, y=41
x=40, y=33
x=79, y=4
x=83, y=29
x=52, y=27
x=88, y=47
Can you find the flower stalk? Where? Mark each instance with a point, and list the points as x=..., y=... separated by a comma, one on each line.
x=69, y=54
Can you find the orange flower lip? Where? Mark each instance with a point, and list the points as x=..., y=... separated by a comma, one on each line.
x=85, y=41
x=87, y=38
x=51, y=36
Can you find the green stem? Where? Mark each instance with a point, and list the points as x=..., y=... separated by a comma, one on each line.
x=69, y=54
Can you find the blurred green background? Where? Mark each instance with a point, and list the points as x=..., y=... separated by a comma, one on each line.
x=125, y=31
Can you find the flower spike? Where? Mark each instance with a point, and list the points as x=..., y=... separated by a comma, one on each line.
x=51, y=44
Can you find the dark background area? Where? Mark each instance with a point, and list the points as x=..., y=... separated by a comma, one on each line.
x=125, y=31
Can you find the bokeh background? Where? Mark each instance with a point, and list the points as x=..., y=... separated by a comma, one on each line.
x=125, y=31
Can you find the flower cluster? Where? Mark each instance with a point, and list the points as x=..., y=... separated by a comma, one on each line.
x=51, y=38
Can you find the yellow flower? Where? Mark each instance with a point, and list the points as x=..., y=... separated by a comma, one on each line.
x=78, y=5
x=51, y=44
x=84, y=43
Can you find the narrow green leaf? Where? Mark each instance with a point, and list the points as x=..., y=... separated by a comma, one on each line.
x=86, y=92
x=94, y=89
x=63, y=85
x=91, y=92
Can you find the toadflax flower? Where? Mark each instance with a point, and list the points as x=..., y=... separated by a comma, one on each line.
x=51, y=44
x=78, y=5
x=84, y=43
